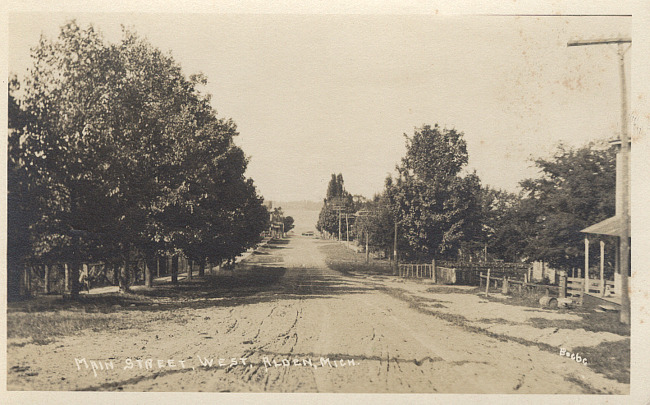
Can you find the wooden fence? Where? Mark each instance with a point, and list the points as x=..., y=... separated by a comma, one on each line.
x=55, y=277
x=465, y=273
x=514, y=271
x=507, y=276
x=569, y=287
x=575, y=289
x=596, y=286
x=507, y=284
x=414, y=270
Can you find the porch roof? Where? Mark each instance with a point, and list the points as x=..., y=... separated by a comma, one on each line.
x=611, y=226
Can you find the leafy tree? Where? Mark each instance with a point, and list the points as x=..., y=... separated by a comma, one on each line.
x=328, y=220
x=332, y=188
x=288, y=223
x=438, y=209
x=22, y=195
x=62, y=97
x=122, y=159
x=376, y=221
x=337, y=200
x=576, y=189
x=504, y=221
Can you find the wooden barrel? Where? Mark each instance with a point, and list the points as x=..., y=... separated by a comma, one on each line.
x=548, y=302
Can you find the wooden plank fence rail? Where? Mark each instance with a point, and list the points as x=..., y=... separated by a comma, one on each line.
x=415, y=270
x=575, y=289
x=506, y=282
x=467, y=273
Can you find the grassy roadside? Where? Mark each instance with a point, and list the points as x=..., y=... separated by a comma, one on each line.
x=346, y=261
x=612, y=359
x=42, y=319
x=591, y=320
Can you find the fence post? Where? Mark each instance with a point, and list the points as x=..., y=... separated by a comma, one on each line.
x=433, y=270
x=487, y=284
x=66, y=278
x=562, y=289
x=46, y=279
x=504, y=287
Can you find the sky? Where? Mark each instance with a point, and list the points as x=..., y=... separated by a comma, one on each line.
x=314, y=95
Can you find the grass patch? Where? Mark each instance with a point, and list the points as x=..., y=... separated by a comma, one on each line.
x=611, y=359
x=591, y=321
x=527, y=298
x=42, y=327
x=262, y=258
x=495, y=321
x=453, y=290
x=346, y=261
x=419, y=304
x=584, y=385
x=46, y=317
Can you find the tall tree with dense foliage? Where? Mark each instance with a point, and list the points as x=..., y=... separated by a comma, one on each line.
x=127, y=157
x=504, y=219
x=288, y=223
x=436, y=207
x=337, y=200
x=375, y=221
x=576, y=189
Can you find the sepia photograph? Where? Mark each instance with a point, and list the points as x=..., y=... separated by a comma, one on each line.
x=320, y=203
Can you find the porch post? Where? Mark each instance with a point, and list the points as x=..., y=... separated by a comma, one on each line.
x=602, y=268
x=586, y=264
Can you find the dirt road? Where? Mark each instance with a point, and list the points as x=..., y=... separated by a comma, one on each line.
x=314, y=330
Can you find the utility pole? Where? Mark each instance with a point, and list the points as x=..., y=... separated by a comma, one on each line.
x=338, y=206
x=365, y=214
x=347, y=231
x=367, y=251
x=624, y=238
x=339, y=225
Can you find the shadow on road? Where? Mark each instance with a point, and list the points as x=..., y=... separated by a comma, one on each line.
x=244, y=286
